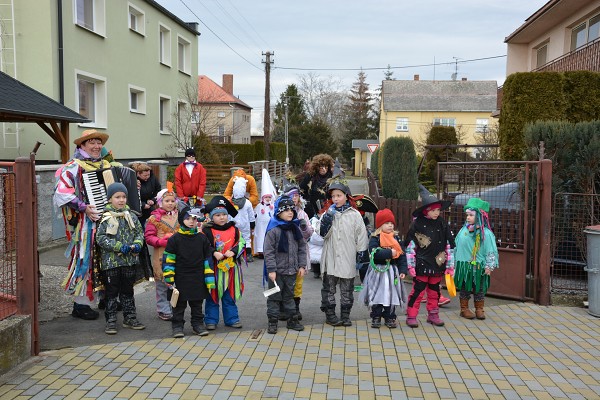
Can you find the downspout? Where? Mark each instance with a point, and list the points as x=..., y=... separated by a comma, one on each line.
x=61, y=78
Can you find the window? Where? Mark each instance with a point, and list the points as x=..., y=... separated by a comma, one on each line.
x=444, y=122
x=90, y=14
x=221, y=133
x=137, y=99
x=221, y=114
x=541, y=55
x=137, y=20
x=585, y=32
x=401, y=124
x=165, y=45
x=184, y=55
x=196, y=117
x=482, y=125
x=164, y=110
x=91, y=98
x=182, y=112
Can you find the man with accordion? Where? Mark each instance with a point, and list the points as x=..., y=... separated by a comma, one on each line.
x=80, y=193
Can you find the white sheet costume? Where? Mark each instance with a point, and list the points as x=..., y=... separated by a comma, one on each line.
x=245, y=215
x=263, y=211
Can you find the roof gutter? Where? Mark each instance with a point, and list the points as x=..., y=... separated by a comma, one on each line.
x=61, y=78
x=533, y=18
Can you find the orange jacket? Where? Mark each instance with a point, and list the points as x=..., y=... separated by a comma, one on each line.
x=188, y=186
x=250, y=187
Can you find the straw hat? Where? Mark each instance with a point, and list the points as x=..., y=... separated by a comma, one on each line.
x=90, y=134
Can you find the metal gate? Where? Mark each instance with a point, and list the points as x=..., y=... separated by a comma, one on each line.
x=8, y=244
x=519, y=194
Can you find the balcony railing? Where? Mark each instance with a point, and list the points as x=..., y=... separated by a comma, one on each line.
x=585, y=58
x=220, y=139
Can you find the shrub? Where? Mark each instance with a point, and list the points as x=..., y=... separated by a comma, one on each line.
x=399, y=169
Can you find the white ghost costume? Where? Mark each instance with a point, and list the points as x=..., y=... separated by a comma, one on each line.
x=263, y=211
x=245, y=213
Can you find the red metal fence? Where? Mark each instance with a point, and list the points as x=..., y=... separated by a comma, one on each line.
x=8, y=245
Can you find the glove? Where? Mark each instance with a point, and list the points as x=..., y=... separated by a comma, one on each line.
x=303, y=224
x=362, y=257
x=450, y=271
x=326, y=221
x=252, y=224
x=125, y=249
x=136, y=248
x=412, y=272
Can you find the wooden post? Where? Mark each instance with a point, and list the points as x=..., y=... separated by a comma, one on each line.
x=544, y=229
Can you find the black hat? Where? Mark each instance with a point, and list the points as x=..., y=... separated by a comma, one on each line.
x=338, y=180
x=221, y=202
x=190, y=152
x=428, y=199
x=284, y=203
x=365, y=204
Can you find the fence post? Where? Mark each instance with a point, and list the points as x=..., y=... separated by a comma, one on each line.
x=27, y=257
x=544, y=229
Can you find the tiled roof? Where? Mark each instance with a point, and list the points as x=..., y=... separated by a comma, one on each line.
x=211, y=93
x=19, y=102
x=361, y=144
x=439, y=95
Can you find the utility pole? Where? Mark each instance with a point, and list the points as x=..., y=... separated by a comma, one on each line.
x=267, y=119
x=287, y=155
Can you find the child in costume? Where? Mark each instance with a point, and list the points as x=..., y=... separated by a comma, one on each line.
x=228, y=245
x=285, y=262
x=315, y=248
x=161, y=225
x=244, y=220
x=476, y=256
x=429, y=242
x=187, y=267
x=383, y=287
x=263, y=211
x=120, y=238
x=346, y=241
x=293, y=192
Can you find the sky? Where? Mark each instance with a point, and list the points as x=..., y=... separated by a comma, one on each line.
x=336, y=38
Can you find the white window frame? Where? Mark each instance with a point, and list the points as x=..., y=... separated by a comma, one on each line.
x=137, y=14
x=164, y=45
x=541, y=52
x=221, y=133
x=195, y=117
x=220, y=114
x=100, y=119
x=141, y=99
x=444, y=122
x=164, y=114
x=583, y=27
x=182, y=107
x=184, y=55
x=401, y=124
x=482, y=125
x=97, y=24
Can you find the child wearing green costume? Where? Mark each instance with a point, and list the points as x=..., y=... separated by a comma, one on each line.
x=476, y=256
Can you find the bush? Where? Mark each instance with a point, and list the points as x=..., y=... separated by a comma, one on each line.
x=375, y=163
x=399, y=169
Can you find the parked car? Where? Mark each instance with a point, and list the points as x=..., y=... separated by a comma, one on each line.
x=506, y=196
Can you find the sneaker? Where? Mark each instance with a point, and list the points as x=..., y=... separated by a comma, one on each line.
x=391, y=323
x=165, y=317
x=376, y=323
x=111, y=328
x=236, y=325
x=200, y=330
x=443, y=300
x=133, y=324
x=178, y=333
x=84, y=312
x=211, y=327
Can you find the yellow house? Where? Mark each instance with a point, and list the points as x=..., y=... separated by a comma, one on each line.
x=411, y=107
x=363, y=149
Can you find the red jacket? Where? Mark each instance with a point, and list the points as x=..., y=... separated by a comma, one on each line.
x=188, y=186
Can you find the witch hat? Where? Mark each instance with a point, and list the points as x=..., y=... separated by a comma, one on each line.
x=428, y=199
x=338, y=180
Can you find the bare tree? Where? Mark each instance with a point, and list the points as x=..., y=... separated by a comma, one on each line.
x=488, y=135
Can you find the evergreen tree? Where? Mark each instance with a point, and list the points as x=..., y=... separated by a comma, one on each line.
x=439, y=135
x=360, y=123
x=399, y=179
x=316, y=138
x=296, y=120
x=387, y=76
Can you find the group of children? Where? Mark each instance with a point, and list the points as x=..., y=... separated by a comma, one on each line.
x=195, y=264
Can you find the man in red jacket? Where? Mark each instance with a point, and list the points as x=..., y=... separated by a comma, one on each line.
x=190, y=178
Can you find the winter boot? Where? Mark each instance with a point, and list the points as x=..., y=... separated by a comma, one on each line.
x=434, y=318
x=346, y=317
x=332, y=319
x=297, y=301
x=111, y=327
x=479, y=313
x=293, y=324
x=376, y=323
x=391, y=323
x=464, y=309
x=412, y=322
x=411, y=316
x=272, y=329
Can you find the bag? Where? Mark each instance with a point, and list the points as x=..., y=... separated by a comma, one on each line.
x=450, y=285
x=174, y=297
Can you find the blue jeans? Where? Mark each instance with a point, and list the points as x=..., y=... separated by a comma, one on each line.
x=162, y=304
x=230, y=310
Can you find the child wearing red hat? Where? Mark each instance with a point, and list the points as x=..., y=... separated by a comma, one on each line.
x=383, y=287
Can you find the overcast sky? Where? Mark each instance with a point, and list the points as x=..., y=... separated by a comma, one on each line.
x=349, y=34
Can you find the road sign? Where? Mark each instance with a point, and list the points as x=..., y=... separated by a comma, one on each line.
x=372, y=147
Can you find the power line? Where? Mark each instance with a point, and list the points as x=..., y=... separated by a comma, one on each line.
x=218, y=37
x=249, y=24
x=387, y=67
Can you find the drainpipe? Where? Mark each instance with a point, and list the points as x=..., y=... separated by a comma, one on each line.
x=61, y=78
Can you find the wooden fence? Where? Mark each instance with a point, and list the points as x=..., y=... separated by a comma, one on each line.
x=220, y=173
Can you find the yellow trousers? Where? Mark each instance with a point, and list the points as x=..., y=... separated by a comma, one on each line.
x=298, y=287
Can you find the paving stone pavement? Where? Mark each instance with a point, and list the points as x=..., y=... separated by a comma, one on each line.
x=521, y=351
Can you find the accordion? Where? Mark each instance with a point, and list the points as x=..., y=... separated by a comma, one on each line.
x=96, y=182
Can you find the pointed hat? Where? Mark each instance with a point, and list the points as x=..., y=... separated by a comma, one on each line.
x=266, y=185
x=428, y=199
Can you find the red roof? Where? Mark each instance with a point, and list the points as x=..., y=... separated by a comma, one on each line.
x=211, y=93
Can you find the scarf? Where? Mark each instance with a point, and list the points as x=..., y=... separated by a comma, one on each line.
x=320, y=181
x=239, y=202
x=283, y=245
x=111, y=216
x=387, y=240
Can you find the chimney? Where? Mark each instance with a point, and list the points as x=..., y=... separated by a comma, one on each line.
x=228, y=83
x=464, y=79
x=416, y=77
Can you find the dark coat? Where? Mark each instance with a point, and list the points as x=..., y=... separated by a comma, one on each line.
x=148, y=191
x=437, y=233
x=313, y=189
x=382, y=255
x=190, y=252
